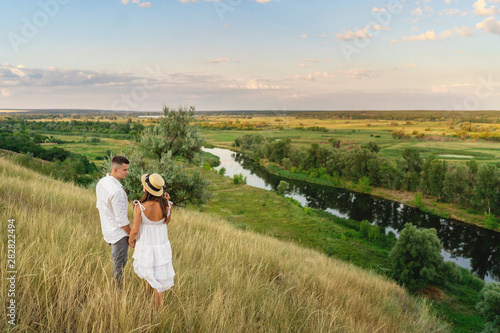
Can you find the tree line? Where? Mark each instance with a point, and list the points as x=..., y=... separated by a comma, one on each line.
x=65, y=164
x=470, y=185
x=125, y=128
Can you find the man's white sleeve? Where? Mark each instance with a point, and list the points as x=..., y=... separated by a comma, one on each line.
x=120, y=204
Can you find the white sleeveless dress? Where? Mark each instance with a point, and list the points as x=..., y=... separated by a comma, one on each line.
x=153, y=254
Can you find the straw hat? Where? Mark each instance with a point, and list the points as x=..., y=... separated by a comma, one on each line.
x=153, y=183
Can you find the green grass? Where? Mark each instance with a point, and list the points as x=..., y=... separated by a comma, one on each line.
x=93, y=151
x=265, y=212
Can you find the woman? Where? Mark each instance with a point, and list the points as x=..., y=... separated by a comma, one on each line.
x=149, y=237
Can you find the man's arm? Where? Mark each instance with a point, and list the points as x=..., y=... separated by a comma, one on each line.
x=120, y=204
x=127, y=229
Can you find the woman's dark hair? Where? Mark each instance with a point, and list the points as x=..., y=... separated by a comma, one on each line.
x=161, y=199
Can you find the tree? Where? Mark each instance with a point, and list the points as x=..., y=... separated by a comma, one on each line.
x=168, y=148
x=176, y=134
x=455, y=184
x=283, y=187
x=416, y=259
x=364, y=184
x=489, y=306
x=414, y=167
x=487, y=186
x=184, y=186
x=371, y=146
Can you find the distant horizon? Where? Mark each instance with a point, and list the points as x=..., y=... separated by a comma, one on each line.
x=7, y=110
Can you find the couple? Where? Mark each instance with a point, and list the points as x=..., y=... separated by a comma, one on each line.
x=149, y=235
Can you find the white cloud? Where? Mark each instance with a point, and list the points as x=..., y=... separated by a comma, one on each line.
x=5, y=92
x=259, y=84
x=429, y=35
x=454, y=12
x=362, y=33
x=219, y=60
x=303, y=36
x=137, y=2
x=447, y=2
x=378, y=10
x=359, y=73
x=325, y=75
x=464, y=31
x=445, y=34
x=490, y=25
x=481, y=10
x=312, y=77
x=417, y=12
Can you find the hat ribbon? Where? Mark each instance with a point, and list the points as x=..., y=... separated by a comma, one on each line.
x=150, y=185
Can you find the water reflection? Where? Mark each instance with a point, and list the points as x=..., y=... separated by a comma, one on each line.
x=470, y=247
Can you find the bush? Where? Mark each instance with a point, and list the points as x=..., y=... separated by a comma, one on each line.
x=451, y=272
x=489, y=306
x=416, y=257
x=374, y=233
x=491, y=221
x=283, y=187
x=239, y=178
x=364, y=229
x=222, y=171
x=364, y=185
x=418, y=200
x=286, y=163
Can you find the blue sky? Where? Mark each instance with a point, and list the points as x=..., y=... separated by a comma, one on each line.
x=250, y=54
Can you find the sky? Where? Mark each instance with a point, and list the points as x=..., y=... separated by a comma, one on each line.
x=136, y=55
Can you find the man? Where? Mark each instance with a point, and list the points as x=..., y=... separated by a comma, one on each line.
x=112, y=204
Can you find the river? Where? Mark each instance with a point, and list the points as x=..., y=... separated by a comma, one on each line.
x=471, y=247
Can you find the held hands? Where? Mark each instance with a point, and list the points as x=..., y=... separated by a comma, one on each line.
x=131, y=243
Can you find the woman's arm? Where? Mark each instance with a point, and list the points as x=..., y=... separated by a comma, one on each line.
x=135, y=228
x=167, y=221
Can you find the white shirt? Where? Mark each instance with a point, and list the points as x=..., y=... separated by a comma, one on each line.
x=112, y=204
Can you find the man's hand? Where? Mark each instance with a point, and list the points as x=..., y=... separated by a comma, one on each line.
x=166, y=195
x=131, y=243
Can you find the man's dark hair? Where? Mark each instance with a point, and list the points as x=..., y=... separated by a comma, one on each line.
x=118, y=160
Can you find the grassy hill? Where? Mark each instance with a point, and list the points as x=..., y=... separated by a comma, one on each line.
x=227, y=280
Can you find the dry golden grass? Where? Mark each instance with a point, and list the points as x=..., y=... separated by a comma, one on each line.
x=227, y=280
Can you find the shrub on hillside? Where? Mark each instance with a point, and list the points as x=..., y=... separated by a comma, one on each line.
x=283, y=187
x=239, y=179
x=364, y=228
x=489, y=307
x=416, y=259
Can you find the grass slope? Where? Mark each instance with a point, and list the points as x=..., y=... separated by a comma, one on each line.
x=227, y=280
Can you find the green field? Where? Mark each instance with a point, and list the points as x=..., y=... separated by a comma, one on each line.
x=93, y=151
x=483, y=151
